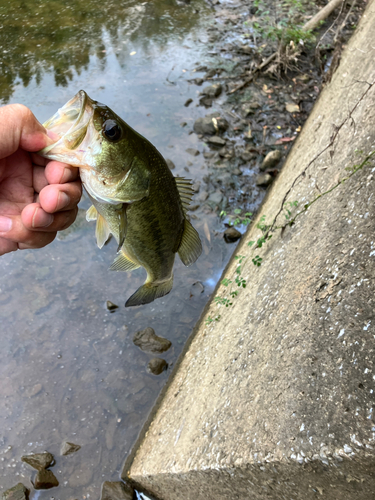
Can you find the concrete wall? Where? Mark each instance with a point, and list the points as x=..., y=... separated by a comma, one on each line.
x=276, y=400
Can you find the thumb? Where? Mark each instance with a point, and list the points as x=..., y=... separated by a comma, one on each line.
x=20, y=128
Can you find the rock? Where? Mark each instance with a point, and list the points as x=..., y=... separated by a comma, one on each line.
x=110, y=306
x=33, y=391
x=247, y=156
x=264, y=180
x=231, y=235
x=44, y=480
x=189, y=101
x=39, y=460
x=18, y=492
x=216, y=141
x=210, y=73
x=198, y=81
x=271, y=159
x=210, y=124
x=170, y=164
x=205, y=101
x=213, y=90
x=192, y=151
x=116, y=491
x=249, y=108
x=196, y=186
x=68, y=448
x=148, y=341
x=156, y=366
x=196, y=289
x=215, y=198
x=209, y=154
x=203, y=195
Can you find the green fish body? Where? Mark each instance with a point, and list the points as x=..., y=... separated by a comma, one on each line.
x=135, y=196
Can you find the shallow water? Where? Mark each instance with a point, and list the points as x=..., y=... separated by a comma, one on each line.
x=68, y=368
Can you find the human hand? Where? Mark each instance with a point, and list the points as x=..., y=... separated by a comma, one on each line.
x=38, y=197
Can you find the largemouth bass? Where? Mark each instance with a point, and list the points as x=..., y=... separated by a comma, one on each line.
x=134, y=194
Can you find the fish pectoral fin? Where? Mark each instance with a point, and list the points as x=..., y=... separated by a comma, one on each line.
x=122, y=263
x=123, y=227
x=190, y=246
x=136, y=185
x=102, y=231
x=91, y=214
x=149, y=292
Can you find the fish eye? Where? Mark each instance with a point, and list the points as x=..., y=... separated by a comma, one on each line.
x=111, y=130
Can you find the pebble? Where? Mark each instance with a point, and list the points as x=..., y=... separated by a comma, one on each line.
x=170, y=164
x=116, y=490
x=156, y=366
x=192, y=151
x=68, y=448
x=110, y=306
x=39, y=461
x=189, y=101
x=216, y=141
x=213, y=90
x=18, y=492
x=45, y=479
x=216, y=198
x=210, y=124
x=271, y=159
x=231, y=235
x=148, y=341
x=264, y=180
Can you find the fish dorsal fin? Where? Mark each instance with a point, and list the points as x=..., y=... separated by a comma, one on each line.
x=102, y=231
x=122, y=263
x=185, y=191
x=190, y=246
x=91, y=214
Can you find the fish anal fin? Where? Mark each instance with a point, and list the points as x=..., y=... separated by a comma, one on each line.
x=102, y=231
x=91, y=214
x=122, y=263
x=149, y=292
x=190, y=247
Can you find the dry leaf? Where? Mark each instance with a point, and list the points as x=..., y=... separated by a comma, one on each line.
x=292, y=107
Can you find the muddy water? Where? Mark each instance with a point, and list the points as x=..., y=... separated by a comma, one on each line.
x=68, y=368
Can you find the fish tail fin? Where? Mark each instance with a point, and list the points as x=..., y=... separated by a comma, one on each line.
x=190, y=246
x=149, y=292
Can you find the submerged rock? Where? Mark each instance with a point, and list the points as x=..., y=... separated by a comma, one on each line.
x=231, y=235
x=18, y=492
x=210, y=124
x=45, y=479
x=196, y=289
x=170, y=164
x=116, y=490
x=192, y=151
x=216, y=141
x=157, y=366
x=39, y=461
x=111, y=306
x=68, y=448
x=148, y=341
x=271, y=159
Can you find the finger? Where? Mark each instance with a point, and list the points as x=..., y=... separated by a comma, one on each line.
x=39, y=179
x=7, y=246
x=57, y=197
x=35, y=218
x=20, y=128
x=61, y=173
x=24, y=237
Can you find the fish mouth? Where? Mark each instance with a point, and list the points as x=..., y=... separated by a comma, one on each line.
x=77, y=142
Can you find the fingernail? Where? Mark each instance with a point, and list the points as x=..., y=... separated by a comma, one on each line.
x=42, y=219
x=64, y=200
x=5, y=224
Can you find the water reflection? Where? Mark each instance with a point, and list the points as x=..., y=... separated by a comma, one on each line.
x=60, y=37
